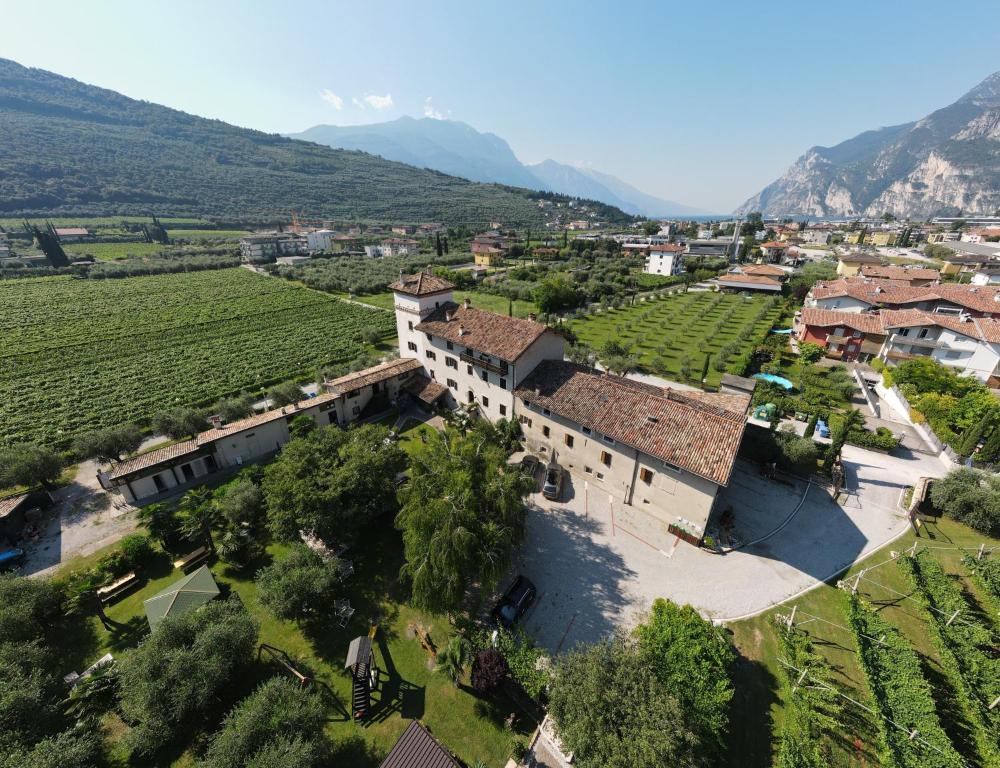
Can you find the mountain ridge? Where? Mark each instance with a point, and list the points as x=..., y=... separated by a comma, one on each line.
x=455, y=147
x=944, y=163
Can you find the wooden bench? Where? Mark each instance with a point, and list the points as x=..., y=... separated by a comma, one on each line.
x=191, y=560
x=117, y=588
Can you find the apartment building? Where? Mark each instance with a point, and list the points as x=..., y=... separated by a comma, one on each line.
x=267, y=246
x=664, y=259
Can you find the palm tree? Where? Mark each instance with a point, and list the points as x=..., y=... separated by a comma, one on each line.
x=453, y=659
x=162, y=523
x=200, y=516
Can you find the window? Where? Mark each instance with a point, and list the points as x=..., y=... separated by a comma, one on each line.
x=586, y=430
x=952, y=354
x=503, y=410
x=412, y=346
x=485, y=375
x=545, y=431
x=452, y=383
x=588, y=470
x=646, y=475
x=546, y=412
x=605, y=458
x=671, y=467
x=568, y=439
x=468, y=369
x=431, y=355
x=608, y=440
x=450, y=345
x=503, y=383
x=409, y=324
x=451, y=362
x=429, y=337
x=486, y=402
x=904, y=331
x=922, y=334
x=472, y=396
x=433, y=375
x=526, y=420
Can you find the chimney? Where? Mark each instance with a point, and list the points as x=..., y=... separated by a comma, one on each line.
x=461, y=330
x=532, y=316
x=400, y=273
x=467, y=303
x=447, y=315
x=215, y=421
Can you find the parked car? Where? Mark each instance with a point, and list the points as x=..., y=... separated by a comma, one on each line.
x=515, y=602
x=554, y=475
x=529, y=465
x=10, y=558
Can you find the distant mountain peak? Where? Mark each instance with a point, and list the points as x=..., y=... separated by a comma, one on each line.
x=946, y=162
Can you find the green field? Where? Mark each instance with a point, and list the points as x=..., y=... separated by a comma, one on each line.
x=80, y=354
x=761, y=701
x=112, y=251
x=96, y=221
x=498, y=304
x=661, y=332
x=208, y=234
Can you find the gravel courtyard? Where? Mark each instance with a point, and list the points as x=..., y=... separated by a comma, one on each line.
x=598, y=564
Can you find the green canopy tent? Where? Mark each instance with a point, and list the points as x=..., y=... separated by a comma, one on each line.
x=195, y=589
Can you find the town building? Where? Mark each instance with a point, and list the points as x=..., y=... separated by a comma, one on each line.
x=911, y=275
x=766, y=270
x=850, y=264
x=863, y=294
x=73, y=234
x=404, y=229
x=740, y=281
x=267, y=246
x=703, y=247
x=774, y=250
x=320, y=240
x=846, y=336
x=664, y=259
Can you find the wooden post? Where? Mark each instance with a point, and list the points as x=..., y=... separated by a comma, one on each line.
x=948, y=623
x=791, y=618
x=979, y=556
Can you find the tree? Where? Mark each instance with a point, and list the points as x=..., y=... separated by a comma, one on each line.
x=110, y=444
x=162, y=523
x=79, y=747
x=174, y=679
x=489, y=671
x=279, y=711
x=242, y=503
x=454, y=657
x=301, y=425
x=437, y=245
x=180, y=423
x=809, y=352
x=692, y=659
x=285, y=393
x=298, y=584
x=556, y=294
x=650, y=227
x=802, y=281
x=332, y=482
x=28, y=464
x=29, y=691
x=461, y=514
x=971, y=497
x=798, y=453
x=29, y=608
x=852, y=420
x=234, y=408
x=612, y=711
x=199, y=515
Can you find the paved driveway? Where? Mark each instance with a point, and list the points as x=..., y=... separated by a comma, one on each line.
x=598, y=564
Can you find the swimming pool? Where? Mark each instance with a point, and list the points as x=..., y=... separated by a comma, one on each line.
x=781, y=381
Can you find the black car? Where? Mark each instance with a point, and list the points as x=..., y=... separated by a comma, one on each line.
x=515, y=602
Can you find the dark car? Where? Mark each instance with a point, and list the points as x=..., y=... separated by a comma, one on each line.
x=515, y=601
x=529, y=465
x=552, y=489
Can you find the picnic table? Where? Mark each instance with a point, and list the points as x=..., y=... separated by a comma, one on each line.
x=118, y=587
x=192, y=559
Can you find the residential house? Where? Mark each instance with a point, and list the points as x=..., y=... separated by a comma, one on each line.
x=320, y=240
x=987, y=274
x=850, y=264
x=709, y=247
x=911, y=275
x=766, y=270
x=267, y=246
x=73, y=234
x=774, y=250
x=578, y=224
x=488, y=256
x=664, y=260
x=843, y=335
x=981, y=235
x=862, y=294
x=740, y=281
x=404, y=229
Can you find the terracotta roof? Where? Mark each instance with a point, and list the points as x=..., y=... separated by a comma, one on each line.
x=668, y=247
x=505, y=337
x=900, y=273
x=373, y=375
x=763, y=269
x=827, y=318
x=420, y=284
x=981, y=328
x=759, y=280
x=160, y=455
x=424, y=389
x=11, y=503
x=211, y=435
x=860, y=258
x=693, y=433
x=416, y=748
x=774, y=244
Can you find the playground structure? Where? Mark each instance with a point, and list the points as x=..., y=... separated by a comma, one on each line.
x=284, y=661
x=364, y=674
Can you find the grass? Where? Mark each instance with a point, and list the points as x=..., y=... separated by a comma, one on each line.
x=207, y=234
x=471, y=727
x=498, y=304
x=112, y=251
x=759, y=704
x=673, y=327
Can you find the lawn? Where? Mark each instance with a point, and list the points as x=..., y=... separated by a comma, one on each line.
x=471, y=727
x=673, y=327
x=77, y=355
x=758, y=707
x=498, y=304
x=112, y=251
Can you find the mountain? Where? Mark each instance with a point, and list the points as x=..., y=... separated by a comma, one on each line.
x=71, y=148
x=945, y=163
x=454, y=147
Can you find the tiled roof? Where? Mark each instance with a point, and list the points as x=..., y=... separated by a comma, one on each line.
x=900, y=273
x=758, y=280
x=211, y=435
x=774, y=244
x=499, y=335
x=160, y=455
x=71, y=231
x=669, y=248
x=424, y=389
x=860, y=258
x=693, y=433
x=828, y=318
x=11, y=503
x=981, y=328
x=420, y=284
x=763, y=269
x=416, y=748
x=373, y=375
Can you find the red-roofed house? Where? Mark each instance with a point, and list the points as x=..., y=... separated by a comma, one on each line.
x=845, y=336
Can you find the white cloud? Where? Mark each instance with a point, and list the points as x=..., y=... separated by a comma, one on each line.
x=431, y=111
x=331, y=98
x=378, y=102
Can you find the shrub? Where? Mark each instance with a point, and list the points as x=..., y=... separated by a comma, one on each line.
x=971, y=497
x=489, y=670
x=137, y=549
x=810, y=352
x=881, y=439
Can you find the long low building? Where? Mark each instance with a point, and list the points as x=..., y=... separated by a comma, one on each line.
x=347, y=399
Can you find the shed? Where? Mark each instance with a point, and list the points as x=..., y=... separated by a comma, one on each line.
x=416, y=748
x=184, y=595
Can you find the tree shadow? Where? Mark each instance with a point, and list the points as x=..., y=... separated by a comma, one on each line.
x=356, y=752
x=748, y=742
x=393, y=693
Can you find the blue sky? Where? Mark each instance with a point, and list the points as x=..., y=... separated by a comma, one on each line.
x=702, y=103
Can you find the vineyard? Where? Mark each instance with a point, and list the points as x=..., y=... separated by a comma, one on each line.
x=81, y=354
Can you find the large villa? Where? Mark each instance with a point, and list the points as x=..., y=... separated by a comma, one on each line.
x=664, y=451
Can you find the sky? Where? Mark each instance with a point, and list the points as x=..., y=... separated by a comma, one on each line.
x=701, y=103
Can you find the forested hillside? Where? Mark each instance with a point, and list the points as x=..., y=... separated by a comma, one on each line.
x=67, y=147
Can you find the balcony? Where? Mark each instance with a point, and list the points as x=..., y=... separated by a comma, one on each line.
x=500, y=370
x=928, y=342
